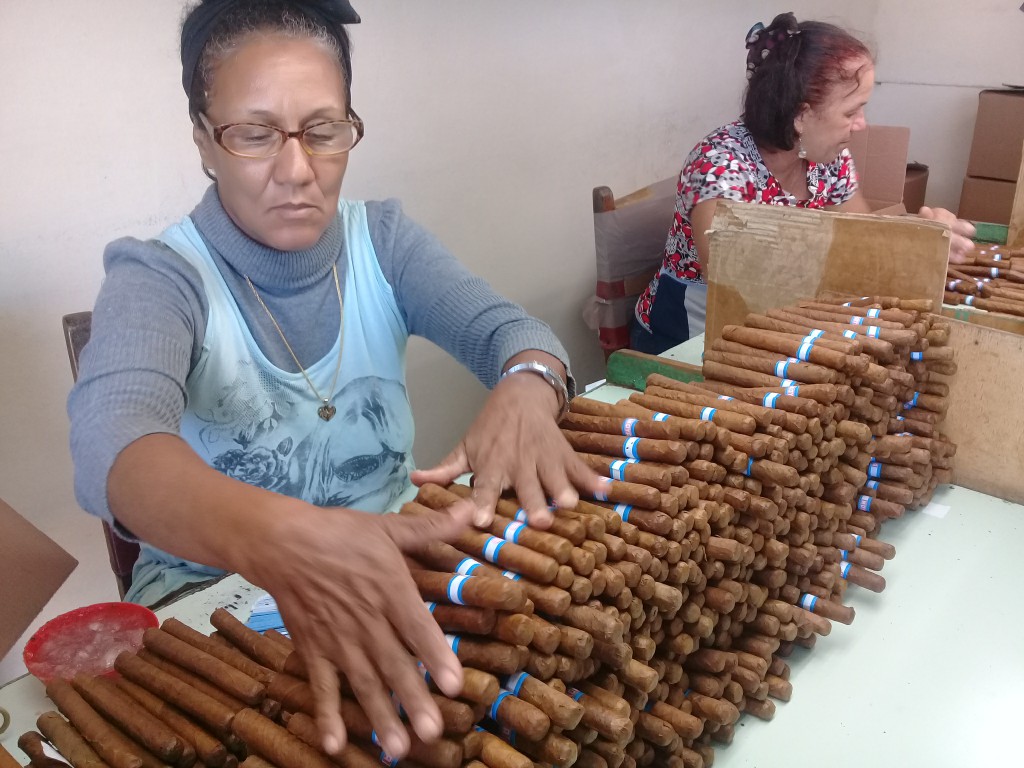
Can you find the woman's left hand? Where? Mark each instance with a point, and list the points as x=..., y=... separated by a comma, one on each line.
x=961, y=243
x=515, y=443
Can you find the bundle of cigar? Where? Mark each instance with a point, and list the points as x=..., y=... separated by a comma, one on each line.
x=993, y=280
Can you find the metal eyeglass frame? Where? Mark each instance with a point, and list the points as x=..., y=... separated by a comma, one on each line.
x=217, y=132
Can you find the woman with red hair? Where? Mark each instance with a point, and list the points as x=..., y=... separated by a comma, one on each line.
x=808, y=84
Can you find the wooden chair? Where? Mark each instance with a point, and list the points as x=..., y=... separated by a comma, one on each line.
x=123, y=554
x=629, y=243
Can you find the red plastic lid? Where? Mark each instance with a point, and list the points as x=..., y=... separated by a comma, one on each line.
x=87, y=640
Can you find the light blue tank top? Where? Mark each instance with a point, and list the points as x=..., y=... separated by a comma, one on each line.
x=258, y=423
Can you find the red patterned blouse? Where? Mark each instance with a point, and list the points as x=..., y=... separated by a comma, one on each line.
x=727, y=164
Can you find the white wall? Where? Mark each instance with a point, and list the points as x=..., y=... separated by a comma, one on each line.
x=934, y=57
x=492, y=121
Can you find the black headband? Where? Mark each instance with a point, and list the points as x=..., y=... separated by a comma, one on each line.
x=202, y=22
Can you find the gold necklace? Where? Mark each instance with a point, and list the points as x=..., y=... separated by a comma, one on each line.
x=325, y=411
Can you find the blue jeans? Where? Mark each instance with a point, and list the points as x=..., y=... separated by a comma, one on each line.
x=670, y=317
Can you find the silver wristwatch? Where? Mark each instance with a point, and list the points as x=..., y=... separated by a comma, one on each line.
x=552, y=378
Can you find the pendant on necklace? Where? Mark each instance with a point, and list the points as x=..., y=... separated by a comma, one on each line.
x=326, y=412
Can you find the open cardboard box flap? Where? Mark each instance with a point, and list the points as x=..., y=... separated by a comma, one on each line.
x=32, y=568
x=767, y=256
x=880, y=156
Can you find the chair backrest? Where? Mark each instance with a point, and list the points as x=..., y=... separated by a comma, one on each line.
x=629, y=243
x=123, y=554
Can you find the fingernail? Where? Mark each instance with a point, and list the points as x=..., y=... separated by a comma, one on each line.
x=449, y=682
x=331, y=745
x=429, y=727
x=396, y=744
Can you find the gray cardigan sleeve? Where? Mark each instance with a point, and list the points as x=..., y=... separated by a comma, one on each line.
x=445, y=303
x=147, y=332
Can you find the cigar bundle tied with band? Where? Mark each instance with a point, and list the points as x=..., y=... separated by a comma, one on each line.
x=993, y=281
x=642, y=624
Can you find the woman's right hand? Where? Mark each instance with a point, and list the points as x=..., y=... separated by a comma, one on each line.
x=961, y=243
x=350, y=605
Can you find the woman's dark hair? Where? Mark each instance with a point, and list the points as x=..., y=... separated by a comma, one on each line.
x=214, y=28
x=790, y=64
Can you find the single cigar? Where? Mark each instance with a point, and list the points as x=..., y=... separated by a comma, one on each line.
x=862, y=577
x=770, y=364
x=479, y=591
x=612, y=725
x=599, y=624
x=850, y=541
x=735, y=422
x=627, y=427
x=561, y=709
x=495, y=753
x=629, y=493
x=639, y=448
x=351, y=755
x=68, y=741
x=227, y=654
x=219, y=673
x=7, y=759
x=463, y=619
x=191, y=679
x=509, y=521
x=654, y=729
x=31, y=743
x=630, y=470
x=107, y=741
x=106, y=698
x=494, y=657
x=554, y=749
x=169, y=688
x=209, y=750
x=834, y=611
x=683, y=723
x=765, y=710
x=715, y=710
x=275, y=743
x=249, y=641
x=520, y=716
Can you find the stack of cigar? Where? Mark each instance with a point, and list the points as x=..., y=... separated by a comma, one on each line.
x=641, y=625
x=993, y=280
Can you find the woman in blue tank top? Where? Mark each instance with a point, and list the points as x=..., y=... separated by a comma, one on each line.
x=242, y=403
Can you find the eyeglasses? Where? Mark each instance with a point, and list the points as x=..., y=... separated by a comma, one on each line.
x=256, y=140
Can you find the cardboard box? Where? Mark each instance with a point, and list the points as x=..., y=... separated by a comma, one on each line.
x=766, y=256
x=880, y=155
x=998, y=135
x=986, y=200
x=32, y=568
x=984, y=419
x=915, y=187
x=975, y=316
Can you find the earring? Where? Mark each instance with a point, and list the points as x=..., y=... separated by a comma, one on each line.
x=208, y=173
x=801, y=153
